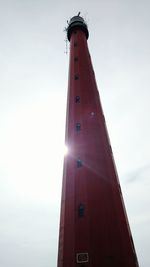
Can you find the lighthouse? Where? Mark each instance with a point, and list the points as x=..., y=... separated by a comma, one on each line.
x=94, y=228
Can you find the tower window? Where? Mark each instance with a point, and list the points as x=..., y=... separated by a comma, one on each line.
x=75, y=44
x=76, y=76
x=81, y=210
x=78, y=126
x=77, y=99
x=79, y=163
x=109, y=259
x=75, y=59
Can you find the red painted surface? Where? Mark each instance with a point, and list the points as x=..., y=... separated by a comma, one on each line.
x=103, y=232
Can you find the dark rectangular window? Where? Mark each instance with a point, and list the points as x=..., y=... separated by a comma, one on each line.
x=81, y=210
x=77, y=99
x=76, y=76
x=75, y=59
x=79, y=163
x=78, y=126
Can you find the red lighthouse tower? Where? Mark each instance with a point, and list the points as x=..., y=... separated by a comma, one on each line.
x=94, y=229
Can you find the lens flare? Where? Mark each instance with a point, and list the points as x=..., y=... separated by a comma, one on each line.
x=65, y=150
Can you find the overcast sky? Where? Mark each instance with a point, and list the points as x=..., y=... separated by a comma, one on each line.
x=33, y=89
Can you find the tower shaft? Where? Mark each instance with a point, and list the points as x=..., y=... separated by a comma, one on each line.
x=94, y=229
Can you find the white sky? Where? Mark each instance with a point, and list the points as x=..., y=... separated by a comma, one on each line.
x=33, y=89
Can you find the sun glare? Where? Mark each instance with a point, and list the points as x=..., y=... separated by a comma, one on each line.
x=65, y=150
